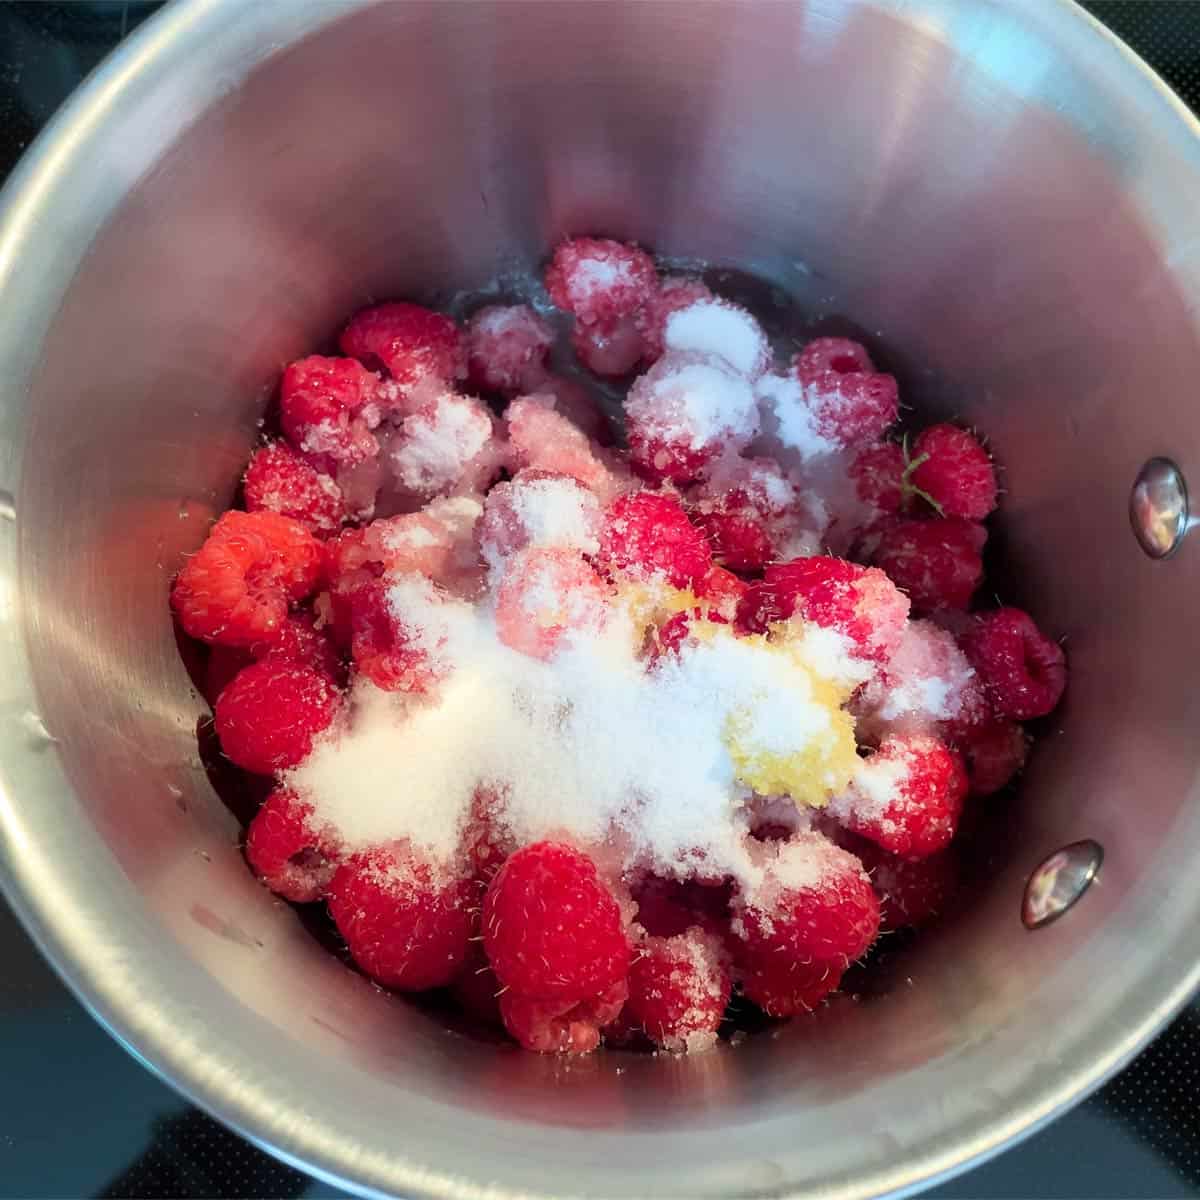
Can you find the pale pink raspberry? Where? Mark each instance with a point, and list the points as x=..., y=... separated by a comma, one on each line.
x=505, y=343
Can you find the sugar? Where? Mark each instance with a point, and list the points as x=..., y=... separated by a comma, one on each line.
x=438, y=442
x=876, y=790
x=694, y=400
x=719, y=328
x=787, y=418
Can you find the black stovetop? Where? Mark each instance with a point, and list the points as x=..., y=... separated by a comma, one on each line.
x=80, y=1117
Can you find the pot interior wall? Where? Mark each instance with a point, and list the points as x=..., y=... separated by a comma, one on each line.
x=919, y=178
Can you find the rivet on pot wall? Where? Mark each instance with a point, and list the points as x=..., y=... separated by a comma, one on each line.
x=1058, y=881
x=1158, y=508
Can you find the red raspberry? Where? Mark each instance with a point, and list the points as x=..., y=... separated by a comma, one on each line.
x=546, y=598
x=561, y=1026
x=551, y=928
x=476, y=990
x=412, y=342
x=279, y=480
x=860, y=603
x=666, y=907
x=572, y=400
x=678, y=990
x=486, y=840
x=740, y=542
x=853, y=410
x=236, y=589
x=673, y=295
x=783, y=986
x=1023, y=670
x=610, y=349
x=994, y=754
x=937, y=562
x=647, y=534
x=400, y=632
x=405, y=921
x=906, y=797
x=878, y=475
x=722, y=593
x=269, y=715
x=449, y=443
x=300, y=641
x=952, y=469
x=598, y=280
x=545, y=439
x=839, y=355
x=290, y=853
x=814, y=903
x=328, y=407
x=912, y=892
x=507, y=345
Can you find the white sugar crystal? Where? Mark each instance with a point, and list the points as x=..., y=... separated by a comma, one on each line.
x=719, y=328
x=787, y=418
x=694, y=400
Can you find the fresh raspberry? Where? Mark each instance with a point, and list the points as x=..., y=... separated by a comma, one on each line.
x=678, y=990
x=610, y=349
x=749, y=486
x=878, y=475
x=556, y=1026
x=449, y=443
x=853, y=410
x=300, y=641
x=994, y=754
x=860, y=603
x=486, y=841
x=673, y=295
x=906, y=797
x=572, y=400
x=547, y=597
x=912, y=892
x=686, y=410
x=400, y=630
x=290, y=853
x=738, y=541
x=666, y=907
x=269, y=715
x=328, y=407
x=538, y=508
x=506, y=343
x=551, y=928
x=279, y=480
x=647, y=534
x=1023, y=670
x=951, y=468
x=839, y=355
x=783, y=986
x=405, y=922
x=236, y=589
x=598, y=280
x=545, y=439
x=814, y=903
x=412, y=342
x=476, y=990
x=937, y=562
x=722, y=593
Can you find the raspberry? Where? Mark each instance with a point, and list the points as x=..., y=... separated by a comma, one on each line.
x=678, y=990
x=328, y=407
x=295, y=858
x=994, y=754
x=486, y=841
x=666, y=907
x=684, y=411
x=1023, y=670
x=954, y=471
x=551, y=929
x=815, y=903
x=300, y=641
x=570, y=399
x=412, y=342
x=738, y=541
x=750, y=486
x=448, y=444
x=722, y=593
x=610, y=349
x=506, y=344
x=236, y=589
x=853, y=410
x=647, y=534
x=400, y=629
x=547, y=597
x=936, y=562
x=860, y=603
x=405, y=923
x=783, y=986
x=562, y=1026
x=279, y=480
x=269, y=715
x=599, y=281
x=543, y=438
x=912, y=892
x=718, y=328
x=673, y=295
x=878, y=475
x=828, y=354
x=906, y=797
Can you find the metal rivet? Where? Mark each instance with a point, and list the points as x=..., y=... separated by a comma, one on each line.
x=1058, y=881
x=1158, y=508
